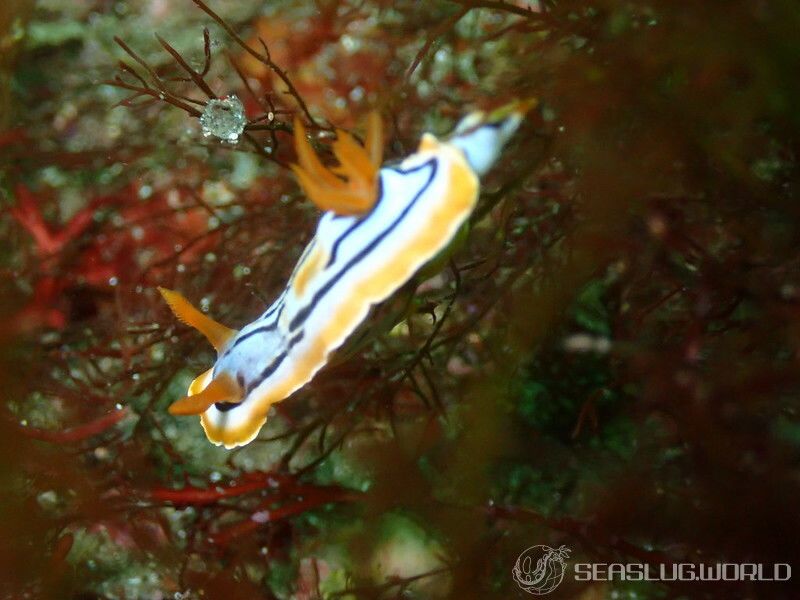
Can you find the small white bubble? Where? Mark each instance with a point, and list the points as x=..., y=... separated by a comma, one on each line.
x=357, y=93
x=173, y=198
x=584, y=342
x=112, y=281
x=424, y=89
x=261, y=516
x=240, y=271
x=223, y=118
x=349, y=43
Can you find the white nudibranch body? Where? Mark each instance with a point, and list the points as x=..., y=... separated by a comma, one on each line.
x=380, y=225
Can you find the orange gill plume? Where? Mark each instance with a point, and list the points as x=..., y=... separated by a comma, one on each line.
x=204, y=391
x=350, y=188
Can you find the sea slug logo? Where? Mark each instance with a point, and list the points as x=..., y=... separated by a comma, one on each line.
x=540, y=569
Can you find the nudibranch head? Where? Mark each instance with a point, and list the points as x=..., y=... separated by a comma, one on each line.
x=229, y=382
x=209, y=388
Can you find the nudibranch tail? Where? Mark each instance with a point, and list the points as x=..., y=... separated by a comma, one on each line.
x=481, y=137
x=216, y=333
x=512, y=109
x=221, y=389
x=352, y=187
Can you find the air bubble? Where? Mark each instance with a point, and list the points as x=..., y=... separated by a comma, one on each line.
x=357, y=94
x=223, y=118
x=261, y=516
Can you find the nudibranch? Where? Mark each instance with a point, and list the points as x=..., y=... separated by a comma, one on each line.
x=380, y=225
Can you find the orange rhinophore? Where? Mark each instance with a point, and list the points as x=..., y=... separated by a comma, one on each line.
x=352, y=187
